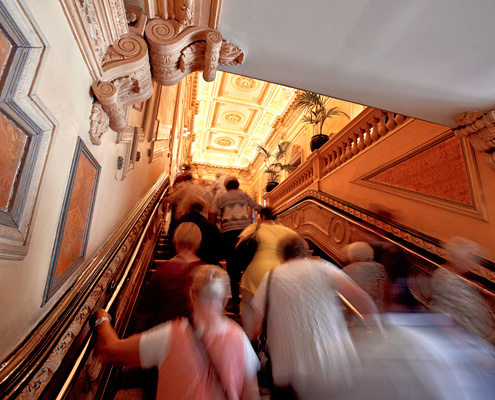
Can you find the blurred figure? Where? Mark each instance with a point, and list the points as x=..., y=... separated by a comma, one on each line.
x=211, y=250
x=268, y=255
x=208, y=357
x=368, y=274
x=233, y=210
x=166, y=296
x=309, y=344
x=452, y=294
x=294, y=247
x=425, y=356
x=179, y=199
x=217, y=189
x=398, y=296
x=218, y=186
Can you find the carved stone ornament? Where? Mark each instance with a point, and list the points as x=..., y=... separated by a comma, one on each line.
x=176, y=51
x=99, y=123
x=126, y=79
x=480, y=131
x=136, y=19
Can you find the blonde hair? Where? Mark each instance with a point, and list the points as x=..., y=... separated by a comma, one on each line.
x=359, y=251
x=210, y=281
x=187, y=236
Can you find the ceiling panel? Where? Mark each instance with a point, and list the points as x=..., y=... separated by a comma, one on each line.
x=235, y=114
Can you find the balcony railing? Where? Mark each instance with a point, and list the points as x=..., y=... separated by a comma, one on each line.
x=361, y=133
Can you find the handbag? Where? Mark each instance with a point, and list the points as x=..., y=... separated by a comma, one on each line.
x=246, y=249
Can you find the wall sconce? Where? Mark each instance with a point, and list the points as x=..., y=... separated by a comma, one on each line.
x=120, y=162
x=138, y=156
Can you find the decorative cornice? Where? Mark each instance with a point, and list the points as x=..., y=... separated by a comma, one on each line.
x=202, y=168
x=479, y=128
x=95, y=24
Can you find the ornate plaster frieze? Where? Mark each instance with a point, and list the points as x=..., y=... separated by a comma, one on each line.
x=207, y=169
x=126, y=79
x=176, y=51
x=95, y=24
x=119, y=17
x=479, y=128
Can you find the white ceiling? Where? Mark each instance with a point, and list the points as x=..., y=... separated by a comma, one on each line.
x=429, y=59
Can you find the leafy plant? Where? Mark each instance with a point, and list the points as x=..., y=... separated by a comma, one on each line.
x=274, y=162
x=313, y=104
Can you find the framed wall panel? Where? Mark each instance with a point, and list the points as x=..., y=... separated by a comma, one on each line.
x=26, y=126
x=75, y=221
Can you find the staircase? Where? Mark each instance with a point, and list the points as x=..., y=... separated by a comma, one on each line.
x=135, y=383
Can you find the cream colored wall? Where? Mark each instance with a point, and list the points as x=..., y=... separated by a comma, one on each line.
x=425, y=217
x=64, y=88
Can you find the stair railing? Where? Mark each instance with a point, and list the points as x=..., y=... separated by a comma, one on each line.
x=118, y=289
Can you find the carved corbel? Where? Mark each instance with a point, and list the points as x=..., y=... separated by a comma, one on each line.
x=479, y=128
x=99, y=123
x=176, y=51
x=126, y=79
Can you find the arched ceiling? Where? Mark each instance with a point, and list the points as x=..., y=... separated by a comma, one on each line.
x=235, y=114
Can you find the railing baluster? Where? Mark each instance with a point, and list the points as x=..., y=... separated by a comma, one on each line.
x=363, y=131
x=391, y=124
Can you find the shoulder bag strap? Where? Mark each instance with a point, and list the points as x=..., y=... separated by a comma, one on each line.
x=264, y=327
x=252, y=234
x=209, y=361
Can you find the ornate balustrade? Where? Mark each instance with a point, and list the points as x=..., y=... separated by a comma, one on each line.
x=362, y=132
x=298, y=181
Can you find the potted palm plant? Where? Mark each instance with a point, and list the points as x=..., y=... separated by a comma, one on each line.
x=275, y=163
x=313, y=105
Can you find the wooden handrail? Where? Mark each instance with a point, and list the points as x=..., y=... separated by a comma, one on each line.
x=37, y=367
x=118, y=289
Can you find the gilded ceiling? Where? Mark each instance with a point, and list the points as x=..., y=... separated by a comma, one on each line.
x=235, y=114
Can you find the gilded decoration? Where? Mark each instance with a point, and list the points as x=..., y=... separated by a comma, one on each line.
x=245, y=84
x=233, y=117
x=224, y=142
